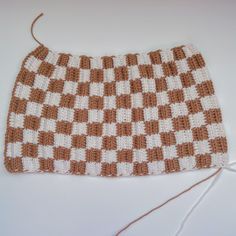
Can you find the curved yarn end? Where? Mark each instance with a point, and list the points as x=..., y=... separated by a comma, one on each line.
x=32, y=28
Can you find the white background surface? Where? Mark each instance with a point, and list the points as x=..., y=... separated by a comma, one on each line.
x=60, y=205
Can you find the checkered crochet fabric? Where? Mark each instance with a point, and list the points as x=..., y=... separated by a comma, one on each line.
x=134, y=114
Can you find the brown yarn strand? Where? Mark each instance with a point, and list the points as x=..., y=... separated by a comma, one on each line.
x=169, y=200
x=32, y=27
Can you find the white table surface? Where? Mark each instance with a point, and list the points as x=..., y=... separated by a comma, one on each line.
x=64, y=205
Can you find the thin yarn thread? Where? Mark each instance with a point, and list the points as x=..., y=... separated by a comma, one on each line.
x=32, y=28
x=216, y=174
x=186, y=217
x=169, y=200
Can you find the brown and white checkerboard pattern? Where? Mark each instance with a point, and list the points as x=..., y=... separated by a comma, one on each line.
x=133, y=114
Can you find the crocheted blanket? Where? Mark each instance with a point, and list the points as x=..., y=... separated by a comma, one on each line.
x=123, y=115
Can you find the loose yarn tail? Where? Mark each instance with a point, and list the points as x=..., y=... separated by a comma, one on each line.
x=216, y=176
x=169, y=200
x=32, y=28
x=227, y=167
x=179, y=230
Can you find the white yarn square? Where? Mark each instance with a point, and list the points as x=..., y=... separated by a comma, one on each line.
x=184, y=136
x=108, y=75
x=124, y=142
x=179, y=109
x=169, y=152
x=148, y=85
x=22, y=91
x=150, y=113
x=52, y=99
x=74, y=61
x=219, y=159
x=200, y=75
x=201, y=147
x=166, y=55
x=215, y=131
x=81, y=102
x=32, y=64
x=187, y=163
x=153, y=141
x=96, y=89
x=119, y=60
x=165, y=125
x=136, y=100
x=96, y=63
x=16, y=120
x=182, y=66
x=190, y=93
x=109, y=102
x=124, y=169
x=94, y=142
x=65, y=114
x=61, y=166
x=93, y=168
x=209, y=102
x=133, y=72
x=70, y=87
x=173, y=82
x=122, y=87
x=138, y=128
x=162, y=98
x=109, y=129
x=59, y=72
x=197, y=119
x=30, y=136
x=79, y=128
x=14, y=149
x=95, y=115
x=45, y=151
x=61, y=140
x=158, y=71
x=78, y=154
x=34, y=109
x=188, y=50
x=140, y=155
x=52, y=58
x=109, y=156
x=41, y=82
x=30, y=164
x=156, y=167
x=123, y=115
x=47, y=125
x=84, y=75
x=143, y=59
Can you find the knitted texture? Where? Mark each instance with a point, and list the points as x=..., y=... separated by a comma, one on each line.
x=134, y=114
